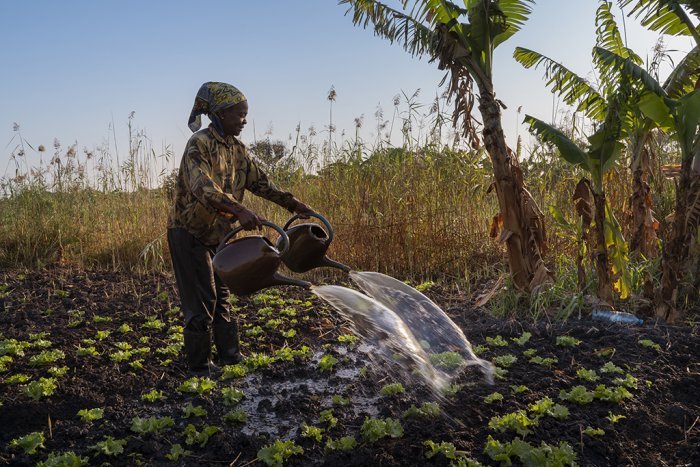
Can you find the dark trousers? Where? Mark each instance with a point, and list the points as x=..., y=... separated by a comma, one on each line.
x=203, y=297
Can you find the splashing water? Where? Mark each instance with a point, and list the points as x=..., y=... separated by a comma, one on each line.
x=399, y=321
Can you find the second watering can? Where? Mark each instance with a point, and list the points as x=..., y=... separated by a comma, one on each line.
x=308, y=244
x=249, y=264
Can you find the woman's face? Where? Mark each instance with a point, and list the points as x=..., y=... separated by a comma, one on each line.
x=233, y=118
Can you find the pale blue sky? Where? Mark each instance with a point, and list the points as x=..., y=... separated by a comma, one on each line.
x=71, y=68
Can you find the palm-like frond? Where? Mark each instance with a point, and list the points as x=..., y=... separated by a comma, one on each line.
x=572, y=88
x=549, y=134
x=665, y=16
x=609, y=62
x=683, y=78
x=516, y=13
x=608, y=34
x=394, y=25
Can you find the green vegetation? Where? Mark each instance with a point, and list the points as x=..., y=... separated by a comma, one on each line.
x=90, y=415
x=278, y=452
x=392, y=389
x=373, y=429
x=29, y=443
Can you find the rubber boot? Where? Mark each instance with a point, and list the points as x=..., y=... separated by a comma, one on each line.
x=197, y=351
x=226, y=341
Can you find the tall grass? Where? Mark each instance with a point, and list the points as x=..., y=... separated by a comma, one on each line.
x=419, y=211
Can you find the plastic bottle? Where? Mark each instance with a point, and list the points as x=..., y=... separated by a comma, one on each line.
x=615, y=316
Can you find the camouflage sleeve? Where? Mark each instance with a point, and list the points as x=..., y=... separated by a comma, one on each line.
x=258, y=183
x=202, y=185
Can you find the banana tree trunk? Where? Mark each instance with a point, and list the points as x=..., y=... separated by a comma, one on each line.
x=644, y=238
x=676, y=251
x=523, y=226
x=604, y=291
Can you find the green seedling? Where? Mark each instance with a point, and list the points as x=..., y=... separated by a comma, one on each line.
x=518, y=389
x=346, y=443
x=44, y=387
x=28, y=443
x=517, y=421
x=613, y=418
x=40, y=344
x=265, y=312
x=57, y=371
x=590, y=431
x=529, y=353
x=153, y=396
x=288, y=311
x=47, y=357
x=177, y=452
x=66, y=459
x=447, y=360
x=493, y=397
x=136, y=364
x=578, y=394
x=278, y=452
x=340, y=401
x=101, y=319
x=374, y=429
x=312, y=432
x=153, y=323
x=616, y=394
x=528, y=455
x=193, y=411
x=479, y=349
x=75, y=318
x=610, y=367
x=170, y=349
x=90, y=415
x=192, y=436
x=18, y=378
x=151, y=424
x=523, y=339
x=505, y=361
x=123, y=345
x=236, y=416
x=233, y=371
x=424, y=286
x=87, y=352
x=497, y=341
x=628, y=381
x=197, y=385
x=121, y=356
x=567, y=341
x=13, y=347
x=327, y=363
x=289, y=334
x=232, y=396
x=5, y=360
x=258, y=360
x=547, y=407
x=587, y=375
x=546, y=362
x=327, y=416
x=124, y=328
x=450, y=452
x=650, y=344
x=392, y=389
x=500, y=373
x=110, y=446
x=274, y=323
x=452, y=389
x=426, y=410
x=102, y=335
x=349, y=340
x=88, y=341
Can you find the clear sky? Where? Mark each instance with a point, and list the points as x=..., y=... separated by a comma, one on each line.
x=70, y=69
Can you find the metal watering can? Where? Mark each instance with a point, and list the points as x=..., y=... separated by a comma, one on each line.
x=308, y=244
x=250, y=263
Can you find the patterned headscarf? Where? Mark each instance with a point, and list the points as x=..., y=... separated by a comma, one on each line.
x=211, y=98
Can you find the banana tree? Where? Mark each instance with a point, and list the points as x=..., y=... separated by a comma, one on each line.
x=462, y=40
x=604, y=148
x=679, y=117
x=577, y=91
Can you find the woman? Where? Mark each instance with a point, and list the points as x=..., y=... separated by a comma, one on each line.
x=215, y=171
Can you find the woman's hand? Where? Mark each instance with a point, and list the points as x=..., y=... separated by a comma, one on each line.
x=247, y=218
x=302, y=209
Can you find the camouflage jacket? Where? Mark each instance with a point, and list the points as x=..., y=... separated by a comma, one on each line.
x=217, y=170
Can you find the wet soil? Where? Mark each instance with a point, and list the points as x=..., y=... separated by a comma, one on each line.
x=74, y=310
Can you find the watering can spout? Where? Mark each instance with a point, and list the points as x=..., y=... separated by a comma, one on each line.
x=335, y=264
x=279, y=279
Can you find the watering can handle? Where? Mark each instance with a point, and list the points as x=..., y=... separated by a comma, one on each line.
x=317, y=216
x=283, y=236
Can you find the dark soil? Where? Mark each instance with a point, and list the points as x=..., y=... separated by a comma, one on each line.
x=661, y=417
